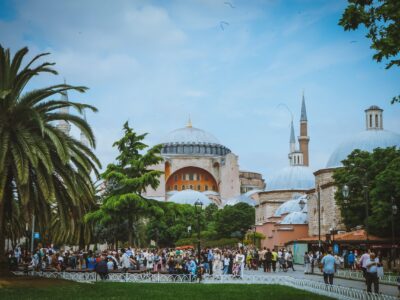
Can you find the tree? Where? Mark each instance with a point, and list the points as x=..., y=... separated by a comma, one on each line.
x=374, y=175
x=43, y=171
x=236, y=219
x=382, y=19
x=127, y=179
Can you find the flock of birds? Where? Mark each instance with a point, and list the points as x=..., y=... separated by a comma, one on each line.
x=224, y=24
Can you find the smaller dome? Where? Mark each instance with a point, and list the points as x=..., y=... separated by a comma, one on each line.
x=374, y=107
x=291, y=206
x=243, y=198
x=367, y=140
x=292, y=178
x=295, y=218
x=189, y=197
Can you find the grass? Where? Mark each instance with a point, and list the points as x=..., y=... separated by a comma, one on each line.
x=60, y=289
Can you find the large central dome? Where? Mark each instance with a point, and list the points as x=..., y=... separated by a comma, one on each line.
x=192, y=141
x=188, y=135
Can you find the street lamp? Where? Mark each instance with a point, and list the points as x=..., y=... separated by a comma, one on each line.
x=345, y=192
x=254, y=236
x=198, y=205
x=394, y=212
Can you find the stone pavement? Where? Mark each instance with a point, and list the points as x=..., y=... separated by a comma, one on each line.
x=299, y=274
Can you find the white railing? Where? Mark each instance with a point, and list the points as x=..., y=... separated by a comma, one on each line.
x=358, y=275
x=334, y=291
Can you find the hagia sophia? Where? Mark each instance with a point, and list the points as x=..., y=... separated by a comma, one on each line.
x=197, y=166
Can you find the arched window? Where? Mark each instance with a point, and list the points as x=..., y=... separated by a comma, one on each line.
x=183, y=187
x=175, y=187
x=376, y=121
x=370, y=120
x=206, y=187
x=191, y=187
x=176, y=177
x=213, y=187
x=199, y=187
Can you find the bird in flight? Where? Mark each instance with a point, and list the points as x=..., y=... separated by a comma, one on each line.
x=229, y=3
x=222, y=24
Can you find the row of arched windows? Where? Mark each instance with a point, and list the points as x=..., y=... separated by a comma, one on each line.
x=195, y=149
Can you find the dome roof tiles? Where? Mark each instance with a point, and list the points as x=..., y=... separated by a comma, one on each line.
x=189, y=197
x=190, y=135
x=292, y=178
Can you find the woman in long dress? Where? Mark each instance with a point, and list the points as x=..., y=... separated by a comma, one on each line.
x=217, y=264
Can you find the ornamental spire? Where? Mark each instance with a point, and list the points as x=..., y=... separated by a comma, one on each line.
x=303, y=117
x=189, y=123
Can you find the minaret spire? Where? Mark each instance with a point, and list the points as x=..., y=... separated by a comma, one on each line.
x=304, y=139
x=292, y=138
x=303, y=117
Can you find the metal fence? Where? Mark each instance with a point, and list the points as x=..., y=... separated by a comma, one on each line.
x=358, y=275
x=334, y=291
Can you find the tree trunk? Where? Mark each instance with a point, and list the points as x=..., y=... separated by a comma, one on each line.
x=3, y=257
x=81, y=237
x=130, y=230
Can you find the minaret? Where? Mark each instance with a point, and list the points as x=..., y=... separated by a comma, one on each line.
x=374, y=118
x=84, y=139
x=189, y=123
x=304, y=139
x=295, y=156
x=64, y=126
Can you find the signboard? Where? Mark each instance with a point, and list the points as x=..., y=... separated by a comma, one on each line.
x=335, y=248
x=36, y=235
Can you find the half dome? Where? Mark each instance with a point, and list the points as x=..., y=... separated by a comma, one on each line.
x=295, y=218
x=189, y=197
x=292, y=178
x=367, y=140
x=291, y=206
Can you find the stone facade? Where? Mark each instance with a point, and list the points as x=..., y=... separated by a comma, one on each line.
x=250, y=181
x=330, y=212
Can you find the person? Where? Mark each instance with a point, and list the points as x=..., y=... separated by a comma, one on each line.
x=217, y=263
x=371, y=275
x=274, y=259
x=351, y=260
x=110, y=264
x=282, y=262
x=313, y=260
x=262, y=258
x=101, y=268
x=226, y=264
x=268, y=260
x=210, y=258
x=363, y=262
x=328, y=267
x=125, y=261
x=306, y=263
x=289, y=259
x=240, y=260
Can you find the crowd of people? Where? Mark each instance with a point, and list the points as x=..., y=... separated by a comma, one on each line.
x=215, y=261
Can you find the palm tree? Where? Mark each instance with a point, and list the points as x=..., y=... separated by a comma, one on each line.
x=42, y=170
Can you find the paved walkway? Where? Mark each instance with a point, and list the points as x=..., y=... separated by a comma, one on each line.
x=299, y=273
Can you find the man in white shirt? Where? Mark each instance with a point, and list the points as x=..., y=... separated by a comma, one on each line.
x=371, y=277
x=363, y=262
x=125, y=262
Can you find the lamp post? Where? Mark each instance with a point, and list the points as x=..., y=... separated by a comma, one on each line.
x=198, y=205
x=394, y=212
x=366, y=211
x=254, y=236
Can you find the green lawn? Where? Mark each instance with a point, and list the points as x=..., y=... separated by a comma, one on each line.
x=57, y=289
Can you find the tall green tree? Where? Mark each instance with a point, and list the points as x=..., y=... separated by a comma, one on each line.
x=382, y=20
x=234, y=220
x=43, y=171
x=127, y=180
x=374, y=176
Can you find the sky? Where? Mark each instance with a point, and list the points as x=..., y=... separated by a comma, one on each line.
x=237, y=68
